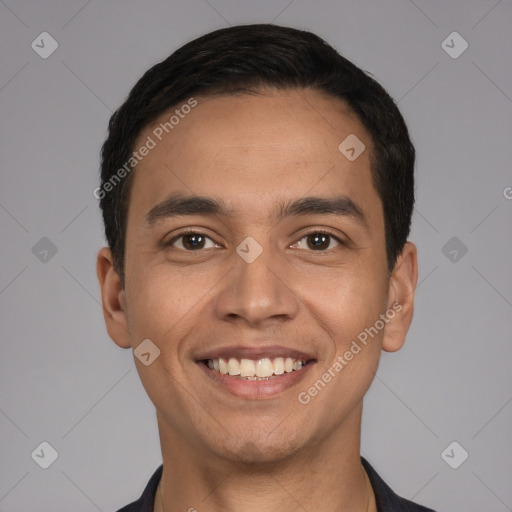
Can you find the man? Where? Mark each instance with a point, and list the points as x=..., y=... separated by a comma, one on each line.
x=257, y=192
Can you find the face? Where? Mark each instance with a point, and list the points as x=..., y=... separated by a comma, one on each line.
x=282, y=261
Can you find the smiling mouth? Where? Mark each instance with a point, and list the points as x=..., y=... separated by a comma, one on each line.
x=265, y=368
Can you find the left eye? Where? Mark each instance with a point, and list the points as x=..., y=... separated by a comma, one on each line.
x=318, y=241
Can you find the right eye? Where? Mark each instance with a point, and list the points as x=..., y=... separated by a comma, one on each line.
x=191, y=241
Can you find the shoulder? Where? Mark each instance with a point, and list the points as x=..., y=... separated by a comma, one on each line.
x=146, y=501
x=387, y=500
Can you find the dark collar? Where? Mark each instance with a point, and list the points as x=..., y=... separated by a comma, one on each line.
x=387, y=500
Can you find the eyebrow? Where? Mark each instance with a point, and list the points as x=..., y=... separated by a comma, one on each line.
x=177, y=205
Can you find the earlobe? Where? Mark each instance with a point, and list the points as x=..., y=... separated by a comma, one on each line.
x=402, y=285
x=113, y=299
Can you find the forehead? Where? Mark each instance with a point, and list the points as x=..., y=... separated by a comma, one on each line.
x=252, y=150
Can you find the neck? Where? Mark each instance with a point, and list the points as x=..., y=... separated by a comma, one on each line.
x=325, y=476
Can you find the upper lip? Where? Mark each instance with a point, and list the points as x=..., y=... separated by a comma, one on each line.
x=259, y=352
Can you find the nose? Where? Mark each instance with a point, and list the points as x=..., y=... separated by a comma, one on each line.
x=257, y=292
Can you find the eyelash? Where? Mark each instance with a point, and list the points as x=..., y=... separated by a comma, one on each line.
x=319, y=231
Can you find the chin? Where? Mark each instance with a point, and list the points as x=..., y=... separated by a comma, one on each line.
x=259, y=450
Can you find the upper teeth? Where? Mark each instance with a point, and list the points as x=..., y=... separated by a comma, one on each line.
x=264, y=367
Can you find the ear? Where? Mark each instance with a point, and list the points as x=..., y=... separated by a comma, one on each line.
x=402, y=284
x=113, y=299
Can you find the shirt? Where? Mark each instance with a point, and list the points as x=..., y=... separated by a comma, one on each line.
x=387, y=500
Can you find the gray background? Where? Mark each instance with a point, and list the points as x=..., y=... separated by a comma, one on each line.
x=65, y=382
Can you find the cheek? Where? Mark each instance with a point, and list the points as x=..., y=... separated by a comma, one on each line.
x=163, y=308
x=169, y=304
x=346, y=310
x=158, y=300
x=346, y=302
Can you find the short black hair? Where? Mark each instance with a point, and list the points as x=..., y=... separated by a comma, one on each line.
x=246, y=58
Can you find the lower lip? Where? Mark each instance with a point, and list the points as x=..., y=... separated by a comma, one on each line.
x=256, y=388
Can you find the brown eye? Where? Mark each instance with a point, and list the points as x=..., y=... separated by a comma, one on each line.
x=318, y=241
x=192, y=241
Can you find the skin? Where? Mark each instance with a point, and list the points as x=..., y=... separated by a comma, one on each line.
x=220, y=451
